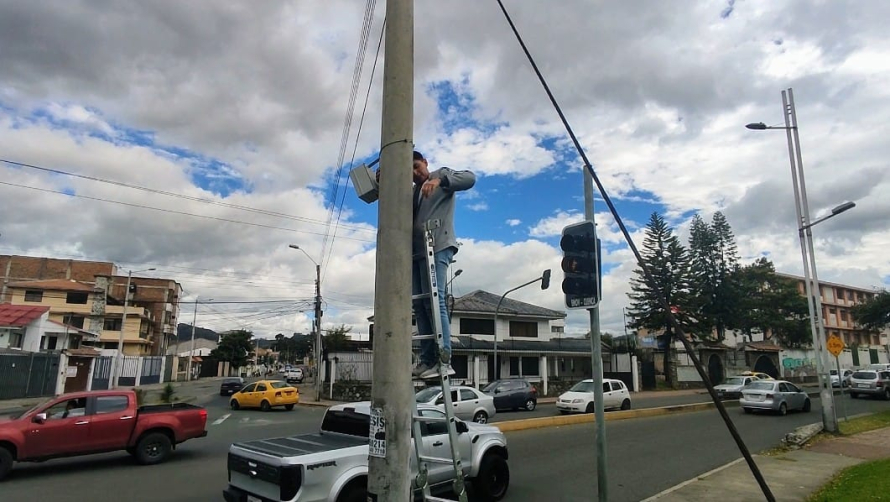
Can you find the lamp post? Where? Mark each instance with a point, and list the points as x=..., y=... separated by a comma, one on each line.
x=317, y=321
x=188, y=375
x=805, y=234
x=119, y=360
x=545, y=283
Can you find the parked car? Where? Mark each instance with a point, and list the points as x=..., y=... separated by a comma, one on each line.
x=293, y=375
x=469, y=403
x=579, y=399
x=731, y=388
x=265, y=395
x=757, y=374
x=774, y=395
x=230, y=386
x=872, y=383
x=332, y=464
x=82, y=423
x=512, y=394
x=844, y=381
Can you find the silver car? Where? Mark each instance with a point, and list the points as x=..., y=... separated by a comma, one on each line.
x=774, y=395
x=469, y=404
x=732, y=387
x=870, y=383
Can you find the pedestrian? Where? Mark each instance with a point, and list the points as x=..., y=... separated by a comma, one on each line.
x=434, y=203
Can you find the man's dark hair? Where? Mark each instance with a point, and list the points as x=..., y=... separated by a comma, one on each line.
x=418, y=155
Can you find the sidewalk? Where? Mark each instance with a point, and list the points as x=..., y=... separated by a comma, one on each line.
x=791, y=476
x=193, y=391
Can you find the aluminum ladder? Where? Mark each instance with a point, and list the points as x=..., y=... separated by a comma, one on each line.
x=421, y=481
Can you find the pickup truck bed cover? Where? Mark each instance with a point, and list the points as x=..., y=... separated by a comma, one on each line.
x=302, y=444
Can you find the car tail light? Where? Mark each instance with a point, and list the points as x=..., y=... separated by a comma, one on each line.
x=769, y=396
x=203, y=415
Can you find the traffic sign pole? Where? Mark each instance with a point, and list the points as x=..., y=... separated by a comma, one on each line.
x=840, y=383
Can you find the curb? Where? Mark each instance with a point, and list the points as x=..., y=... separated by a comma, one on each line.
x=540, y=422
x=693, y=480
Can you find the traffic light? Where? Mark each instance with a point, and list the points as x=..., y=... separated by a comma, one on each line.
x=580, y=266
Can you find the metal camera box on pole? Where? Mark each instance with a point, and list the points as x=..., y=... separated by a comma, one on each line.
x=365, y=183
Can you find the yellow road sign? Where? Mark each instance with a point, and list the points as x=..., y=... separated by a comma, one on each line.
x=835, y=345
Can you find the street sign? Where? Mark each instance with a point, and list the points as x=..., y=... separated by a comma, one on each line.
x=835, y=345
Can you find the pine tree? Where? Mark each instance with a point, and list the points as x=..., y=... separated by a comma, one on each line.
x=703, y=275
x=714, y=260
x=667, y=261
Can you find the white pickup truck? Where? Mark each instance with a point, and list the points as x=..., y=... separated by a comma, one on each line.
x=332, y=464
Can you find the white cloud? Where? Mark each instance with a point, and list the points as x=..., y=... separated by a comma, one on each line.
x=513, y=222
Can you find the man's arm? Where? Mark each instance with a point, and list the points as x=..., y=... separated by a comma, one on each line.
x=456, y=181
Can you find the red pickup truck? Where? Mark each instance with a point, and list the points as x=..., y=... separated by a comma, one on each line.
x=95, y=422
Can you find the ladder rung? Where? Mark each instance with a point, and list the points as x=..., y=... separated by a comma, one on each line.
x=421, y=296
x=423, y=337
x=430, y=498
x=437, y=460
x=431, y=420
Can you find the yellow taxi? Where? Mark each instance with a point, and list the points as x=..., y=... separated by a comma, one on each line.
x=756, y=374
x=265, y=395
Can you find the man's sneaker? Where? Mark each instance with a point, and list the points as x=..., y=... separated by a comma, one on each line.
x=420, y=369
x=434, y=372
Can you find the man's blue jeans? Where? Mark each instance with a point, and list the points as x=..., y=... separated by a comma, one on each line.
x=422, y=310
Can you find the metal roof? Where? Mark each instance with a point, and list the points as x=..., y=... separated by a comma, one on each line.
x=484, y=302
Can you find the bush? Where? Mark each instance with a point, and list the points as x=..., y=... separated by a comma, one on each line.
x=167, y=393
x=140, y=396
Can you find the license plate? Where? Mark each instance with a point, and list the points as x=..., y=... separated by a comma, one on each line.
x=251, y=498
x=863, y=385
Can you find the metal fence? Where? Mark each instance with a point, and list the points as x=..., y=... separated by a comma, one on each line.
x=102, y=373
x=151, y=370
x=128, y=371
x=31, y=374
x=353, y=366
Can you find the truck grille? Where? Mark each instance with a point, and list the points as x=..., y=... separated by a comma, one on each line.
x=287, y=478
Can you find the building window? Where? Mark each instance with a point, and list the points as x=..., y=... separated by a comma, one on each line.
x=850, y=295
x=34, y=296
x=843, y=315
x=470, y=326
x=524, y=329
x=557, y=329
x=514, y=366
x=77, y=298
x=49, y=342
x=16, y=338
x=530, y=366
x=73, y=320
x=112, y=324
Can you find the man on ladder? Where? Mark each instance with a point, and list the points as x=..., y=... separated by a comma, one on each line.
x=434, y=211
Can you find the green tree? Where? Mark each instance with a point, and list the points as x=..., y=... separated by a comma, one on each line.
x=873, y=314
x=234, y=347
x=772, y=304
x=336, y=338
x=714, y=262
x=668, y=262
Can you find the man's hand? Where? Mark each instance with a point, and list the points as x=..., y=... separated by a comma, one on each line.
x=429, y=186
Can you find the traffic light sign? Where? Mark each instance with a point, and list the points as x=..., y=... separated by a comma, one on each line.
x=580, y=266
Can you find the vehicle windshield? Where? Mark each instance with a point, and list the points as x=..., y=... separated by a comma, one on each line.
x=762, y=385
x=490, y=387
x=279, y=385
x=582, y=387
x=865, y=375
x=427, y=395
x=734, y=381
x=834, y=372
x=16, y=416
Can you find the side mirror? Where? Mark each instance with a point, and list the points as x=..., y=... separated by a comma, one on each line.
x=461, y=427
x=39, y=418
x=497, y=391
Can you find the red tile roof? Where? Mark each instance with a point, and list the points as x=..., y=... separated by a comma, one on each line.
x=54, y=284
x=766, y=346
x=19, y=315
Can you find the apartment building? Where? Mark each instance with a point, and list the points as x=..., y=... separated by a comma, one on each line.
x=837, y=302
x=90, y=296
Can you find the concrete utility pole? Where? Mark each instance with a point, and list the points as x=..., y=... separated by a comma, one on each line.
x=188, y=375
x=118, y=362
x=596, y=355
x=318, y=332
x=392, y=391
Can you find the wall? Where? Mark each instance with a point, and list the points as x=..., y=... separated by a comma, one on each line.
x=502, y=328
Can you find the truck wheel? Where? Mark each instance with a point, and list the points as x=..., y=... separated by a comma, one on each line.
x=153, y=448
x=6, y=462
x=493, y=479
x=265, y=406
x=354, y=492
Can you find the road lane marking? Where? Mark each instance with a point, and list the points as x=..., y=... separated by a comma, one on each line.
x=221, y=419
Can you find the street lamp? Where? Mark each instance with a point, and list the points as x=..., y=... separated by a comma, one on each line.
x=317, y=321
x=545, y=283
x=118, y=362
x=804, y=231
x=456, y=273
x=188, y=370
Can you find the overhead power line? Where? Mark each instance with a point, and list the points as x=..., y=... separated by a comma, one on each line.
x=172, y=211
x=180, y=196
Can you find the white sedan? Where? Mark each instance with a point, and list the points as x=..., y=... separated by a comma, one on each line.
x=469, y=404
x=579, y=399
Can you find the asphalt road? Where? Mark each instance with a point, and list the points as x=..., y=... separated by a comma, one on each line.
x=645, y=457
